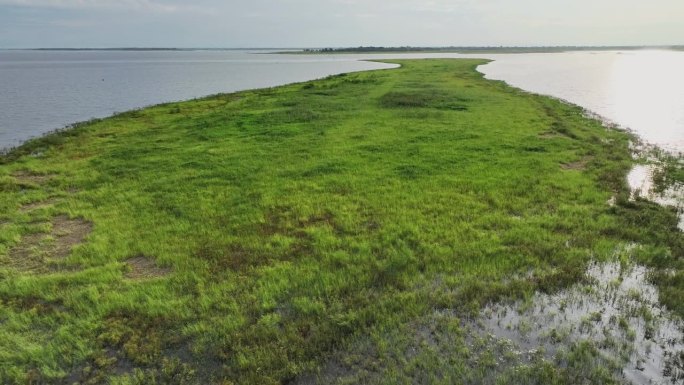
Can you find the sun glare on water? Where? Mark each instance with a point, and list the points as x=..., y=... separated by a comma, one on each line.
x=643, y=94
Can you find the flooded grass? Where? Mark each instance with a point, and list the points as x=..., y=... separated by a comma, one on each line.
x=645, y=184
x=609, y=328
x=659, y=177
x=616, y=312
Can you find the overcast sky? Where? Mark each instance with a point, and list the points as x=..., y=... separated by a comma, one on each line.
x=335, y=23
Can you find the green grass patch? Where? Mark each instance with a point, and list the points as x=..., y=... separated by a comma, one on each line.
x=250, y=238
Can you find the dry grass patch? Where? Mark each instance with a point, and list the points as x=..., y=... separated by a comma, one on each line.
x=549, y=135
x=577, y=165
x=68, y=233
x=27, y=255
x=142, y=267
x=34, y=250
x=27, y=177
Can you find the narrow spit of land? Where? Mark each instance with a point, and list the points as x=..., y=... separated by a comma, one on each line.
x=316, y=233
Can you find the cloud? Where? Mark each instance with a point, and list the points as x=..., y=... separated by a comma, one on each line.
x=250, y=23
x=135, y=5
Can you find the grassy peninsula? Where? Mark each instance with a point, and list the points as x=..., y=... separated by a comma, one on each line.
x=311, y=232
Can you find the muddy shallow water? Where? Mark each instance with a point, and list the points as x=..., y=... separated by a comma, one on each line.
x=616, y=311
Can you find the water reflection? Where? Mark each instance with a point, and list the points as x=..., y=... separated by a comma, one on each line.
x=646, y=90
x=639, y=90
x=642, y=91
x=44, y=90
x=640, y=180
x=616, y=312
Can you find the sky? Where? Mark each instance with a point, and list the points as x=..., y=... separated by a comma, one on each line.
x=338, y=23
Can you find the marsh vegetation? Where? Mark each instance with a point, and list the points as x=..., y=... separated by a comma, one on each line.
x=351, y=229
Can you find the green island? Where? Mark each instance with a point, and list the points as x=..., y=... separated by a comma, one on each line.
x=343, y=230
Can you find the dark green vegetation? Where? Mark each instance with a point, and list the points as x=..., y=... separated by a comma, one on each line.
x=260, y=237
x=670, y=172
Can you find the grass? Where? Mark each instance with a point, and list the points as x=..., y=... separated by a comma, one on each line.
x=265, y=236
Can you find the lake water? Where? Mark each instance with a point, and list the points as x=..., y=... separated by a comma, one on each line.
x=639, y=90
x=44, y=90
x=642, y=91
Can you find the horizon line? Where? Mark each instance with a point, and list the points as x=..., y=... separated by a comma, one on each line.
x=161, y=48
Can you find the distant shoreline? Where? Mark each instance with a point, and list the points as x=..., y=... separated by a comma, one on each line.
x=376, y=49
x=143, y=49
x=476, y=50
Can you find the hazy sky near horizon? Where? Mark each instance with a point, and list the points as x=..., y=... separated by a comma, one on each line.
x=331, y=23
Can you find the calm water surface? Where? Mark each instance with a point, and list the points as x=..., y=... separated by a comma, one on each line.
x=642, y=91
x=639, y=90
x=44, y=90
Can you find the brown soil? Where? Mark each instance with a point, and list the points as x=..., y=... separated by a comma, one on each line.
x=142, y=267
x=34, y=249
x=27, y=254
x=68, y=233
x=578, y=165
x=549, y=135
x=27, y=177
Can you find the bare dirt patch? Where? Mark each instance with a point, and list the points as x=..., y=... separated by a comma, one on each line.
x=142, y=267
x=27, y=177
x=68, y=233
x=27, y=254
x=282, y=221
x=35, y=304
x=36, y=249
x=578, y=165
x=549, y=135
x=38, y=205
